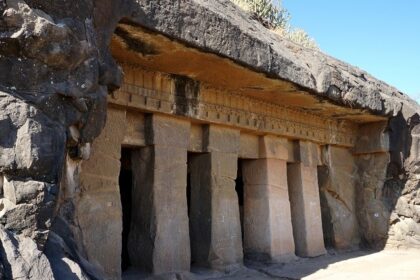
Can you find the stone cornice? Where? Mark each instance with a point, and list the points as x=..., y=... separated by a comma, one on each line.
x=155, y=92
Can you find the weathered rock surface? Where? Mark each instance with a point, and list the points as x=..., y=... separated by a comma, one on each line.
x=21, y=259
x=401, y=192
x=219, y=27
x=56, y=70
x=54, y=80
x=337, y=183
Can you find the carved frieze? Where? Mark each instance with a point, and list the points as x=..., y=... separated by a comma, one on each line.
x=157, y=92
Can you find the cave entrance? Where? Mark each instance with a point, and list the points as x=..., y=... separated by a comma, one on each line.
x=189, y=194
x=198, y=203
x=239, y=188
x=189, y=158
x=126, y=189
x=327, y=225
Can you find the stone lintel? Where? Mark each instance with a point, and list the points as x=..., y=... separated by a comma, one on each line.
x=372, y=138
x=268, y=234
x=167, y=131
x=307, y=153
x=196, y=138
x=221, y=139
x=135, y=131
x=276, y=148
x=249, y=146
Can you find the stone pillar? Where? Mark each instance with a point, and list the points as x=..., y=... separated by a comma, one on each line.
x=304, y=197
x=268, y=234
x=159, y=236
x=98, y=205
x=214, y=215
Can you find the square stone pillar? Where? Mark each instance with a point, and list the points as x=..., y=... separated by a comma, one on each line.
x=215, y=225
x=268, y=234
x=304, y=197
x=159, y=236
x=98, y=209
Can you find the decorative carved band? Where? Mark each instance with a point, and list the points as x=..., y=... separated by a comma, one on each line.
x=156, y=92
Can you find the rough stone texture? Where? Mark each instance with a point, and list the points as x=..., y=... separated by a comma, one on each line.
x=409, y=230
x=23, y=260
x=56, y=70
x=54, y=78
x=337, y=183
x=373, y=138
x=218, y=27
x=387, y=195
x=31, y=151
x=372, y=213
x=400, y=194
x=159, y=236
x=214, y=216
x=268, y=234
x=63, y=265
x=30, y=142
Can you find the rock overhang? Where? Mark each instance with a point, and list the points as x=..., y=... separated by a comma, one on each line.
x=215, y=42
x=45, y=124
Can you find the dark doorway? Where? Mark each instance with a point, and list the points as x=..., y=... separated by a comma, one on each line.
x=126, y=187
x=196, y=208
x=190, y=155
x=239, y=187
x=327, y=225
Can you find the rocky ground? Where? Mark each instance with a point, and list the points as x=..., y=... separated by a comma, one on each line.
x=383, y=265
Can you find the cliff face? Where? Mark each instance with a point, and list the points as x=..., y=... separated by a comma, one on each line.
x=56, y=71
x=401, y=191
x=55, y=74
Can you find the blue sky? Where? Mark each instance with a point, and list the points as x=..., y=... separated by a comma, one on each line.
x=379, y=36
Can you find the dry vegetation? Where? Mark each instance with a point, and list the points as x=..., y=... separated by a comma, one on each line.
x=274, y=17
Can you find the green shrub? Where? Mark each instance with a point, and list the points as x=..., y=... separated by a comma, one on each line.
x=276, y=18
x=270, y=15
x=298, y=36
